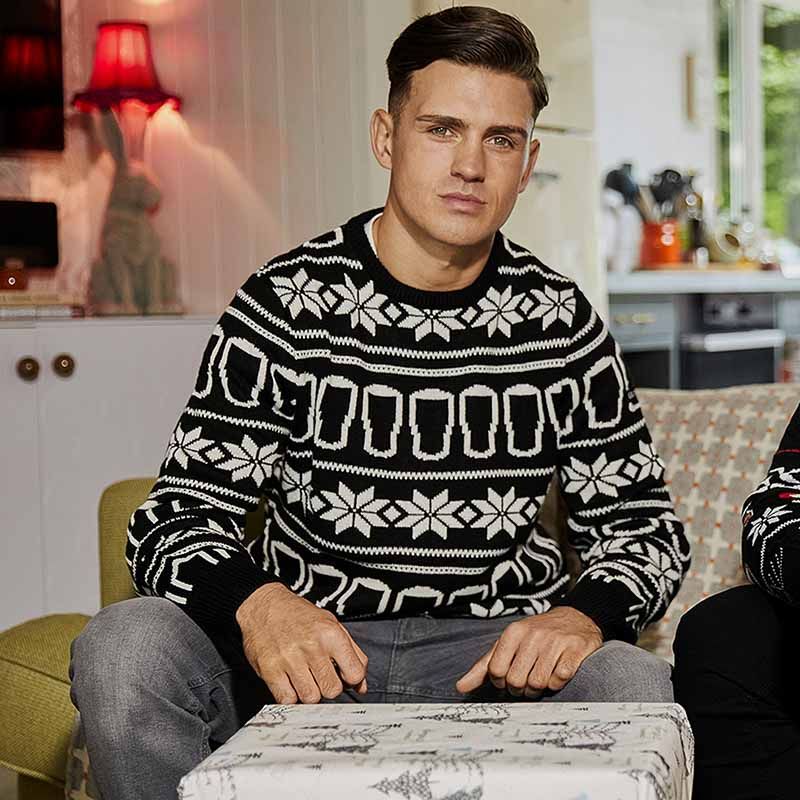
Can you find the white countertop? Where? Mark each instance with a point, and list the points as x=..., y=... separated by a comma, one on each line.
x=699, y=282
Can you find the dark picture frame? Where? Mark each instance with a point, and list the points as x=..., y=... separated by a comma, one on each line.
x=31, y=76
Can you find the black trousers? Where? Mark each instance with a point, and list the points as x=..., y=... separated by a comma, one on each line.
x=736, y=674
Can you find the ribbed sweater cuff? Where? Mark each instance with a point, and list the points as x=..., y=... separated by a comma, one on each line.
x=219, y=591
x=606, y=604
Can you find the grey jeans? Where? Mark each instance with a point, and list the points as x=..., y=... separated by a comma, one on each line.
x=156, y=697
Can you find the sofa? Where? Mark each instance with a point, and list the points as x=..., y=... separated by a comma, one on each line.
x=716, y=445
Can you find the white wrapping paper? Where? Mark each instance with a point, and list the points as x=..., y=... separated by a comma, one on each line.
x=465, y=751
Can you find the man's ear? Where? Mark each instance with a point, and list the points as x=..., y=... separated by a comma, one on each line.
x=533, y=155
x=381, y=130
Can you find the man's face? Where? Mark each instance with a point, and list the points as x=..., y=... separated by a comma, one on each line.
x=463, y=130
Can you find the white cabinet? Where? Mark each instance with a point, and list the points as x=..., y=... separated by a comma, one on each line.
x=556, y=216
x=562, y=29
x=67, y=438
x=21, y=555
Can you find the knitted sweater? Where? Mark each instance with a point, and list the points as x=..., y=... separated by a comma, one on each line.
x=403, y=441
x=771, y=522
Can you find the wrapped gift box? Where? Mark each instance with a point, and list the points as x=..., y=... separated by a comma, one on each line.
x=463, y=751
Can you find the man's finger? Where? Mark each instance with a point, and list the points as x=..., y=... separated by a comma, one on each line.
x=280, y=687
x=517, y=676
x=304, y=684
x=362, y=656
x=344, y=652
x=504, y=653
x=541, y=672
x=476, y=674
x=361, y=688
x=324, y=672
x=564, y=671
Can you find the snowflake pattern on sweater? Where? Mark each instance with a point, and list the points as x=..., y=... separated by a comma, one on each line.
x=403, y=441
x=771, y=522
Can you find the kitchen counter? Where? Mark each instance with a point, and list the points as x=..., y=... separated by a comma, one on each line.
x=698, y=281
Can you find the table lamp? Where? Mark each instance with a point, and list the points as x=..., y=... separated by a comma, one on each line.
x=130, y=276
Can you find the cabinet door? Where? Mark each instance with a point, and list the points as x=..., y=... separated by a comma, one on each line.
x=562, y=29
x=21, y=576
x=556, y=216
x=109, y=420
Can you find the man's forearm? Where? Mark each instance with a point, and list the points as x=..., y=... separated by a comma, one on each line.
x=771, y=528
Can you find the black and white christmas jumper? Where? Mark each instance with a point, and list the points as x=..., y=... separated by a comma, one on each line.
x=403, y=440
x=771, y=522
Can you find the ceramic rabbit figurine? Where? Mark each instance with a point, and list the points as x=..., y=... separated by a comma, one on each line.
x=130, y=276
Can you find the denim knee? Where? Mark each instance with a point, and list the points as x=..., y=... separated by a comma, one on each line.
x=144, y=643
x=623, y=673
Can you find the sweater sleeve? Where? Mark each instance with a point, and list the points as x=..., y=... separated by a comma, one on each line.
x=771, y=522
x=621, y=518
x=186, y=542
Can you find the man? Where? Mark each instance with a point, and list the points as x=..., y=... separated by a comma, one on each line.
x=736, y=653
x=401, y=391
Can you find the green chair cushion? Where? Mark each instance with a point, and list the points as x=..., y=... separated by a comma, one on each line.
x=34, y=789
x=117, y=503
x=35, y=710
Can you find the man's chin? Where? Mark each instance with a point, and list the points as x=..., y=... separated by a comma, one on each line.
x=463, y=238
x=458, y=232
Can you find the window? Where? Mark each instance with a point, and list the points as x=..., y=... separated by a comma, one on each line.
x=758, y=91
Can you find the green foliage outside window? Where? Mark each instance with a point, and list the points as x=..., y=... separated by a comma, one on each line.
x=723, y=86
x=780, y=83
x=780, y=80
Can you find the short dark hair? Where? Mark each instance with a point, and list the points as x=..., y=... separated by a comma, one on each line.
x=469, y=35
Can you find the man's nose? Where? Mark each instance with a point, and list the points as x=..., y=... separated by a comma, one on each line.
x=468, y=161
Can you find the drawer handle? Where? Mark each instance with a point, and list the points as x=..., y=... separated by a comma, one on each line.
x=64, y=365
x=641, y=318
x=28, y=368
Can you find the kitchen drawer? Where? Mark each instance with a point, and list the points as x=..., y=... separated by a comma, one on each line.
x=789, y=315
x=638, y=322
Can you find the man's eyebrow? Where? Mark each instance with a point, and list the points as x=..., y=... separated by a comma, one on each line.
x=459, y=124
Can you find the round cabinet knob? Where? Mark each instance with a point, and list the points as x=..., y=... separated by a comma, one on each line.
x=64, y=365
x=28, y=368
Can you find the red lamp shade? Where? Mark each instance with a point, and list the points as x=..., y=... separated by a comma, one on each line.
x=123, y=70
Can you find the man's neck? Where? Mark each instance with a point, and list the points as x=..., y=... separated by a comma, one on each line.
x=421, y=262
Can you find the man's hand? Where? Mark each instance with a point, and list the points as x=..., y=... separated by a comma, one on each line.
x=295, y=647
x=540, y=652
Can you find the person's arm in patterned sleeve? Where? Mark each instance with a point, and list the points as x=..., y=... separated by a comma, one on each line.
x=621, y=521
x=621, y=518
x=185, y=543
x=771, y=522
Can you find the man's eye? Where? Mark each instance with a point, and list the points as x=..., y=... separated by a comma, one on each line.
x=504, y=142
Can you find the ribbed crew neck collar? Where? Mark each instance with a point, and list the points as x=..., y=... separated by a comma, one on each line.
x=356, y=234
